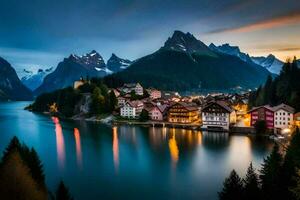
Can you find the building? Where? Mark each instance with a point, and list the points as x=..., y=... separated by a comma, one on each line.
x=129, y=87
x=297, y=119
x=262, y=113
x=121, y=101
x=154, y=93
x=79, y=83
x=283, y=116
x=131, y=109
x=182, y=112
x=217, y=115
x=157, y=112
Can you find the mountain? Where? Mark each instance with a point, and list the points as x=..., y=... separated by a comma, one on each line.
x=11, y=88
x=186, y=42
x=117, y=64
x=33, y=80
x=185, y=68
x=71, y=69
x=231, y=50
x=270, y=62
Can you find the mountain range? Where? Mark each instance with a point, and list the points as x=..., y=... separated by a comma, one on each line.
x=72, y=68
x=182, y=63
x=185, y=63
x=33, y=80
x=270, y=62
x=11, y=88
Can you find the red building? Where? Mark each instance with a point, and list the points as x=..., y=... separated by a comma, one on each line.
x=262, y=113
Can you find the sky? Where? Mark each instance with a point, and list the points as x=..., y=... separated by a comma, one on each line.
x=40, y=33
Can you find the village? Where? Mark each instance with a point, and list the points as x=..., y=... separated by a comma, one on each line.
x=215, y=111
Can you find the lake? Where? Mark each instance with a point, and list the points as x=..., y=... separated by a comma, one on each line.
x=97, y=161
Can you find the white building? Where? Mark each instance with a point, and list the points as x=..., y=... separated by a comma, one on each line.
x=217, y=115
x=283, y=116
x=131, y=109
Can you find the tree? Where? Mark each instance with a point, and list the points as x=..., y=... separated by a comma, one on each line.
x=269, y=174
x=251, y=185
x=290, y=165
x=296, y=190
x=113, y=101
x=260, y=127
x=16, y=181
x=62, y=192
x=97, y=104
x=232, y=188
x=144, y=116
x=13, y=146
x=267, y=90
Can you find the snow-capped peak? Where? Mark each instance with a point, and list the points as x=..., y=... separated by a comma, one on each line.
x=116, y=64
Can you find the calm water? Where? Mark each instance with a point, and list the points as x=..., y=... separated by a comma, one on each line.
x=97, y=160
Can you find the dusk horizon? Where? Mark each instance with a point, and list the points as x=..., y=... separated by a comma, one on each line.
x=40, y=35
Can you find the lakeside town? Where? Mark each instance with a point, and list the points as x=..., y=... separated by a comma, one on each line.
x=215, y=111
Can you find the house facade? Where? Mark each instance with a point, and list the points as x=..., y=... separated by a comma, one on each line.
x=182, y=112
x=121, y=101
x=129, y=87
x=216, y=115
x=283, y=116
x=131, y=109
x=154, y=93
x=264, y=113
x=157, y=112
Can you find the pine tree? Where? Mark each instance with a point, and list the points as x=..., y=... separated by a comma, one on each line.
x=267, y=90
x=14, y=145
x=296, y=190
x=232, y=188
x=251, y=185
x=62, y=192
x=269, y=174
x=16, y=181
x=290, y=165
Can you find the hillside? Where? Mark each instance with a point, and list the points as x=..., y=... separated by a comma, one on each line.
x=11, y=87
x=178, y=70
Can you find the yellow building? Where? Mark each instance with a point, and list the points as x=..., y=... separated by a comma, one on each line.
x=182, y=112
x=297, y=119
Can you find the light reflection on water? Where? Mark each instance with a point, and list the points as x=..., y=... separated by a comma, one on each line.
x=130, y=162
x=78, y=147
x=60, y=144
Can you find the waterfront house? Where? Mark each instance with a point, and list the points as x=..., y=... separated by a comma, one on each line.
x=131, y=109
x=297, y=119
x=129, y=87
x=283, y=116
x=217, y=115
x=262, y=113
x=154, y=93
x=157, y=112
x=182, y=112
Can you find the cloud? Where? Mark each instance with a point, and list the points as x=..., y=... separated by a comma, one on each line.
x=289, y=49
x=288, y=19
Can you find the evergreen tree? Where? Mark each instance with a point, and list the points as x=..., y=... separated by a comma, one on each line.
x=232, y=188
x=97, y=105
x=269, y=174
x=296, y=190
x=16, y=181
x=14, y=145
x=251, y=185
x=290, y=165
x=267, y=90
x=144, y=116
x=62, y=192
x=113, y=101
x=260, y=127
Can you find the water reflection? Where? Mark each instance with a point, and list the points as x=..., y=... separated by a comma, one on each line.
x=60, y=144
x=116, y=149
x=174, y=151
x=78, y=147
